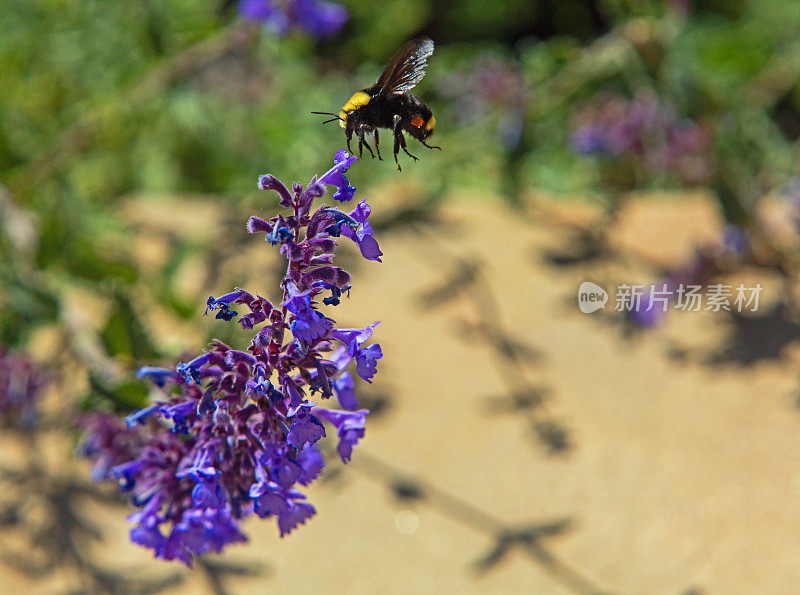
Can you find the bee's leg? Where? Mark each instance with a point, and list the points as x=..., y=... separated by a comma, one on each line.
x=403, y=144
x=361, y=142
x=377, y=148
x=397, y=137
x=348, y=133
x=430, y=146
x=400, y=140
x=398, y=134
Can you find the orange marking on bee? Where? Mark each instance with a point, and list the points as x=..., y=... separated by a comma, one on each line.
x=416, y=121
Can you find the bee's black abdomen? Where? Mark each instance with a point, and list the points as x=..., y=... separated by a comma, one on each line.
x=386, y=106
x=381, y=109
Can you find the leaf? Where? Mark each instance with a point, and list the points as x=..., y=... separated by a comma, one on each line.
x=125, y=334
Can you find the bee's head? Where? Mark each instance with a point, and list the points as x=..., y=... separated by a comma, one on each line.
x=422, y=124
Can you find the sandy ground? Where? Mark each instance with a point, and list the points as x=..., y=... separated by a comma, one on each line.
x=626, y=462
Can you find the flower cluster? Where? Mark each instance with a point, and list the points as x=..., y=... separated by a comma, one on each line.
x=21, y=384
x=315, y=17
x=645, y=131
x=237, y=430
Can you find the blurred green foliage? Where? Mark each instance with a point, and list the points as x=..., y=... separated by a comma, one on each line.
x=103, y=101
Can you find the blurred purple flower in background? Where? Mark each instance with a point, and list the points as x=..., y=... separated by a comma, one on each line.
x=315, y=17
x=236, y=432
x=647, y=313
x=109, y=441
x=732, y=247
x=489, y=85
x=21, y=384
x=646, y=130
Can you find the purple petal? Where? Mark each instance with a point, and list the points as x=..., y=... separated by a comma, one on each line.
x=312, y=462
x=361, y=212
x=345, y=391
x=157, y=376
x=347, y=440
x=335, y=176
x=370, y=249
x=297, y=514
x=305, y=429
x=269, y=500
x=340, y=358
x=353, y=337
x=366, y=361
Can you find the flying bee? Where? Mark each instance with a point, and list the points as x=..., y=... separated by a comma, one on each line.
x=388, y=103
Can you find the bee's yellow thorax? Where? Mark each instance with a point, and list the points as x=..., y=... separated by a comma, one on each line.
x=431, y=123
x=359, y=99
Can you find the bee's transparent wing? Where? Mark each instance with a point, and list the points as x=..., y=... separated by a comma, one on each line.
x=407, y=67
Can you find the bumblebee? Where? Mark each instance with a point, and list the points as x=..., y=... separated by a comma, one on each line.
x=388, y=103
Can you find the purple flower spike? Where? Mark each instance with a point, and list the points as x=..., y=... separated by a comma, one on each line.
x=336, y=292
x=236, y=434
x=331, y=275
x=367, y=357
x=225, y=300
x=257, y=224
x=335, y=176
